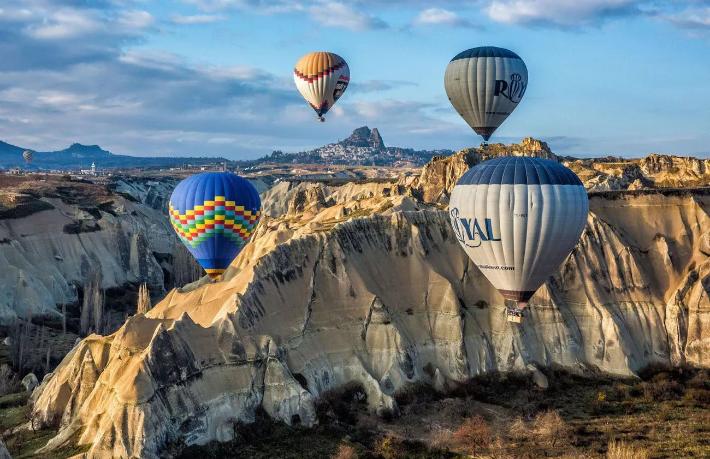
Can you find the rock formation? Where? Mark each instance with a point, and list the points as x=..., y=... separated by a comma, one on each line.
x=653, y=171
x=440, y=175
x=364, y=137
x=367, y=283
x=385, y=299
x=53, y=235
x=375, y=139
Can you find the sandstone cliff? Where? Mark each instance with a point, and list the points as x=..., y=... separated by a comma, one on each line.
x=385, y=298
x=440, y=175
x=653, y=171
x=53, y=234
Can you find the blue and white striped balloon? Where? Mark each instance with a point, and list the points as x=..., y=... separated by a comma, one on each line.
x=485, y=85
x=518, y=218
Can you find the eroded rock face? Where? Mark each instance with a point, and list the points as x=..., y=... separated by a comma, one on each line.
x=54, y=237
x=439, y=176
x=383, y=300
x=653, y=171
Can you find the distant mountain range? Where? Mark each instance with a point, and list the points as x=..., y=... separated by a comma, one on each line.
x=79, y=156
x=365, y=146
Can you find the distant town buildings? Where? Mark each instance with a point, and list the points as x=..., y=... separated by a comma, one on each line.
x=91, y=171
x=364, y=147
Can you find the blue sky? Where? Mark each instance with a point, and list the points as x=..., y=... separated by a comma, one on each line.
x=213, y=77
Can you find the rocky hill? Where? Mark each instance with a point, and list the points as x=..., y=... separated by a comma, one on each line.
x=367, y=283
x=362, y=147
x=364, y=137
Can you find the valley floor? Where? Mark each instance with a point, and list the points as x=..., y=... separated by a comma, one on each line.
x=665, y=414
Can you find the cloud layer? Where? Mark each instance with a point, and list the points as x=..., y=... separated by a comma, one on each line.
x=73, y=70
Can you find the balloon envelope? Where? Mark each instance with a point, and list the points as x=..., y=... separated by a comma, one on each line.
x=214, y=214
x=485, y=85
x=27, y=156
x=321, y=78
x=518, y=218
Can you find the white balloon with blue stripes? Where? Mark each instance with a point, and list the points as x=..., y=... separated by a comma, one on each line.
x=518, y=218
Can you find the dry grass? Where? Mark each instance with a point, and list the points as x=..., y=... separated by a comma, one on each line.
x=518, y=430
x=345, y=452
x=622, y=450
x=549, y=427
x=441, y=437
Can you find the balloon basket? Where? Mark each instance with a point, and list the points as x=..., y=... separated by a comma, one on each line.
x=514, y=314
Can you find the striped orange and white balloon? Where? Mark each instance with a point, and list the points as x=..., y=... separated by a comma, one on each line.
x=321, y=78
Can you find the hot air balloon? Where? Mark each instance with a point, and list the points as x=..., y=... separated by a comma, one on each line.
x=214, y=214
x=518, y=218
x=485, y=85
x=321, y=78
x=27, y=156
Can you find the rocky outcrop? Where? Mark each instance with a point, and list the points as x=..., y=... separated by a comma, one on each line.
x=439, y=176
x=364, y=137
x=295, y=197
x=385, y=300
x=375, y=139
x=52, y=235
x=653, y=171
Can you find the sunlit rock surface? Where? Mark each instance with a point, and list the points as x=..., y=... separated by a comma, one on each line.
x=377, y=290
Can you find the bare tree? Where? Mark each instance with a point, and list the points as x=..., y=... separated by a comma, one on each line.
x=144, y=303
x=9, y=382
x=46, y=363
x=92, y=307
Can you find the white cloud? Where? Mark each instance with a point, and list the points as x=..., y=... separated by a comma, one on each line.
x=563, y=13
x=66, y=23
x=691, y=18
x=197, y=18
x=135, y=19
x=336, y=14
x=440, y=16
x=259, y=6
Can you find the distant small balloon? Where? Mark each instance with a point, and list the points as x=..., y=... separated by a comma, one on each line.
x=321, y=78
x=214, y=215
x=485, y=85
x=27, y=156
